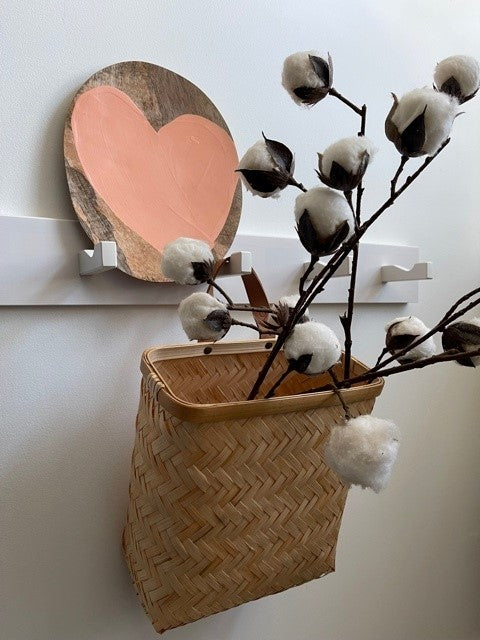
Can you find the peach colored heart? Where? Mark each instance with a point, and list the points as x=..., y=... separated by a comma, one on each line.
x=178, y=181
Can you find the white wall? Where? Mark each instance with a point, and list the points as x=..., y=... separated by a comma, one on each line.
x=408, y=561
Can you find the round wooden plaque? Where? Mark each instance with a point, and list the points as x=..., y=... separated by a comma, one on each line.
x=149, y=158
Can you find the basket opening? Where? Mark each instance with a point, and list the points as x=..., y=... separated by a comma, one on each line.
x=214, y=378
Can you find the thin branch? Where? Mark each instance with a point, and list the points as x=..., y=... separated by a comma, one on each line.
x=238, y=323
x=335, y=389
x=286, y=373
x=299, y=185
x=393, y=183
x=336, y=94
x=246, y=307
x=219, y=288
x=308, y=271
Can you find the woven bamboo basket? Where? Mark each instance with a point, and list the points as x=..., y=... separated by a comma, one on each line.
x=230, y=500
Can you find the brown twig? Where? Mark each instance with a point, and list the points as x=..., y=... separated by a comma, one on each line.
x=286, y=373
x=246, y=307
x=393, y=183
x=308, y=271
x=216, y=286
x=336, y=94
x=335, y=388
x=299, y=185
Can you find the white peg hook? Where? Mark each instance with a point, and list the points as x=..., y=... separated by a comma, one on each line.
x=239, y=263
x=395, y=273
x=102, y=257
x=345, y=269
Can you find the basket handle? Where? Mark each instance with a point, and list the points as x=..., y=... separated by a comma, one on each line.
x=255, y=294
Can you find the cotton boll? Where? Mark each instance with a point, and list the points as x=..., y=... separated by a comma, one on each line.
x=187, y=261
x=312, y=348
x=401, y=332
x=459, y=76
x=266, y=168
x=324, y=220
x=363, y=451
x=343, y=164
x=307, y=76
x=291, y=302
x=420, y=122
x=203, y=317
x=463, y=336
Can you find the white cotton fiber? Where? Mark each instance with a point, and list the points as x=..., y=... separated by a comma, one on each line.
x=299, y=72
x=327, y=210
x=177, y=258
x=440, y=113
x=193, y=312
x=464, y=69
x=317, y=340
x=348, y=153
x=363, y=451
x=411, y=326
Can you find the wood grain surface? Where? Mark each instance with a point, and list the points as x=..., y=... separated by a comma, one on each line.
x=162, y=96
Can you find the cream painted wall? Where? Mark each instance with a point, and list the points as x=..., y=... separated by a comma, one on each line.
x=408, y=563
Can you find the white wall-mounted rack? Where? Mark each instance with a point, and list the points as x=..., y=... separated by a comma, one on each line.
x=39, y=265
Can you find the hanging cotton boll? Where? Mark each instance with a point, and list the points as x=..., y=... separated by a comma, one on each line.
x=266, y=168
x=420, y=122
x=203, y=317
x=343, y=164
x=401, y=332
x=307, y=76
x=187, y=261
x=363, y=451
x=324, y=220
x=459, y=76
x=312, y=348
x=463, y=336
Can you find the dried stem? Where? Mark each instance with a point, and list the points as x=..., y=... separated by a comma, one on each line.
x=308, y=271
x=216, y=286
x=299, y=185
x=286, y=373
x=335, y=389
x=246, y=307
x=319, y=282
x=336, y=94
x=393, y=183
x=238, y=323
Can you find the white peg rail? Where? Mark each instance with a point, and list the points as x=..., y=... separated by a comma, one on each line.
x=39, y=265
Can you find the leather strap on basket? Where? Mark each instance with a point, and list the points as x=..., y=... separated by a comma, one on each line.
x=255, y=294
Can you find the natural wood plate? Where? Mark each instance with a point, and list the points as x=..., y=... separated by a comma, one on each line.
x=149, y=158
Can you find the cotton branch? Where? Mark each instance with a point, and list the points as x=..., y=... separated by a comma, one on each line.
x=319, y=282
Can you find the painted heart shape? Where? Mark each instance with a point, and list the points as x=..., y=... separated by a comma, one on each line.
x=177, y=181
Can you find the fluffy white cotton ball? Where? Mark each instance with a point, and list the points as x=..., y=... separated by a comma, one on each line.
x=203, y=317
x=324, y=220
x=420, y=122
x=187, y=261
x=307, y=76
x=463, y=336
x=351, y=157
x=260, y=172
x=403, y=331
x=363, y=451
x=459, y=76
x=312, y=348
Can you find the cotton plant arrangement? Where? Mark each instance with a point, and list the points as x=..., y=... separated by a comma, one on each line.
x=330, y=222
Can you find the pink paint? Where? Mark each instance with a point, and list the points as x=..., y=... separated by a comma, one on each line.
x=178, y=181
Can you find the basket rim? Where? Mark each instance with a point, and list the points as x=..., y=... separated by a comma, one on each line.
x=216, y=412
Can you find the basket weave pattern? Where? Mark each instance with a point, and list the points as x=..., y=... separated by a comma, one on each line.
x=222, y=513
